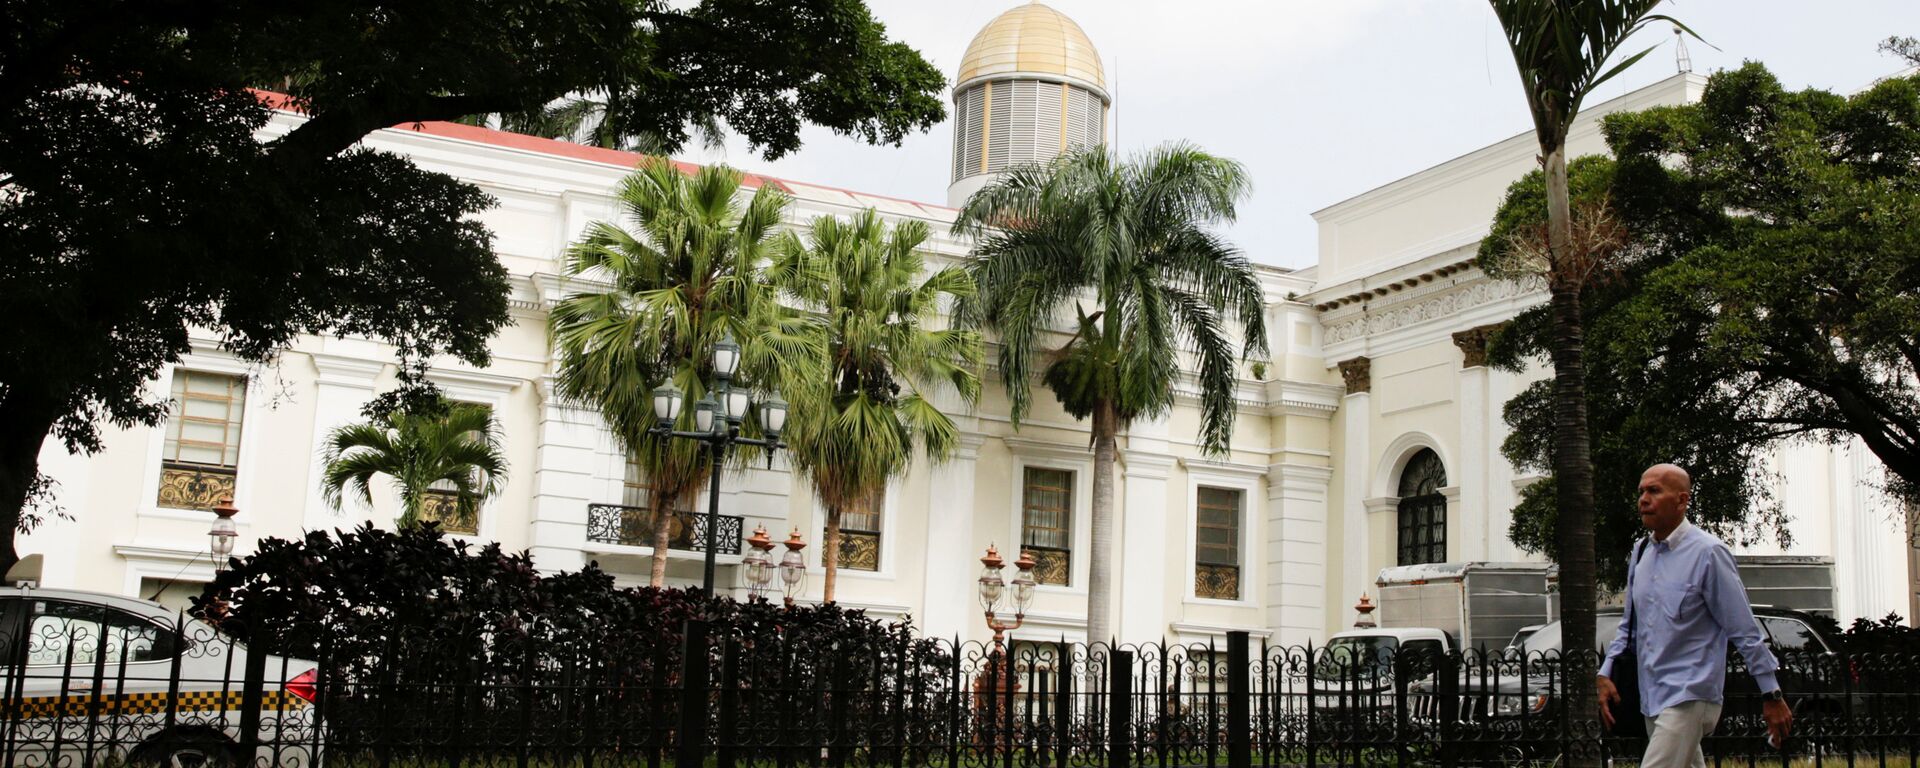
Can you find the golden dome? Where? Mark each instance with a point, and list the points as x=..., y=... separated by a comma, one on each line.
x=1034, y=39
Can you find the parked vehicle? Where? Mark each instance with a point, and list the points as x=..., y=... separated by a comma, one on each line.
x=94, y=678
x=1477, y=605
x=1526, y=683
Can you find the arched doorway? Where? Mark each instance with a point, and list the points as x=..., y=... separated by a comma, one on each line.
x=1423, y=510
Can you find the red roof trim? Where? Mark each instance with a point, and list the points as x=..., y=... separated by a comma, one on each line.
x=567, y=149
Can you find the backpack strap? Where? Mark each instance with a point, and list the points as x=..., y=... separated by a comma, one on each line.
x=1626, y=616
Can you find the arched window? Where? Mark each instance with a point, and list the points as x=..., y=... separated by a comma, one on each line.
x=1423, y=510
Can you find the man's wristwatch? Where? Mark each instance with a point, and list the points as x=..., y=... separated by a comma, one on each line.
x=1774, y=695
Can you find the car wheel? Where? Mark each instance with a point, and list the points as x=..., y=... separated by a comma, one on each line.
x=186, y=750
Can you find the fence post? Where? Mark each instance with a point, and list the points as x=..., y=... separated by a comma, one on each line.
x=252, y=692
x=1239, y=696
x=1447, y=702
x=729, y=700
x=1120, y=709
x=1063, y=708
x=693, y=696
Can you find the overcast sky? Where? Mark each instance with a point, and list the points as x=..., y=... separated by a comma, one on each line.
x=1325, y=99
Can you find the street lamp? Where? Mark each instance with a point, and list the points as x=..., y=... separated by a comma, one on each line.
x=793, y=568
x=716, y=424
x=223, y=533
x=993, y=590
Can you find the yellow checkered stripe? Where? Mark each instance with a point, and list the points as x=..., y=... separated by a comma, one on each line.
x=85, y=704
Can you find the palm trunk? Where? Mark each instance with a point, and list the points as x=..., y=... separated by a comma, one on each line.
x=1572, y=454
x=1100, y=559
x=23, y=428
x=830, y=554
x=663, y=503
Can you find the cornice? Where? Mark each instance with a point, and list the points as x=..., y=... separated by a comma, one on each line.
x=1465, y=295
x=1289, y=397
x=1039, y=449
x=1223, y=468
x=1150, y=465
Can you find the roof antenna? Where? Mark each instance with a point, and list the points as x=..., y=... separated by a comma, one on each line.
x=1681, y=59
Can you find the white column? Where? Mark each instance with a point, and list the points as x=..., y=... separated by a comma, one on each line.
x=1469, y=513
x=1356, y=418
x=1141, y=590
x=563, y=483
x=948, y=598
x=1298, y=587
x=344, y=385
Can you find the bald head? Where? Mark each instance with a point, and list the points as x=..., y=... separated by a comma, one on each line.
x=1665, y=490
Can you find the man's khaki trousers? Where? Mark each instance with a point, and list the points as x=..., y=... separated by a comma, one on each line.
x=1673, y=736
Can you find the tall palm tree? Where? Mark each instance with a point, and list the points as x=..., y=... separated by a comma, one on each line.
x=1127, y=245
x=881, y=353
x=457, y=445
x=1562, y=48
x=650, y=303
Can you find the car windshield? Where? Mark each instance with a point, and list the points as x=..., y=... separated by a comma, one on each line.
x=1361, y=656
x=1548, y=638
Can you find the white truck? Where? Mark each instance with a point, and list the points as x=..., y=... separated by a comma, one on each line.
x=1476, y=606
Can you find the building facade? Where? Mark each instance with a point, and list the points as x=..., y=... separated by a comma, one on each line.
x=1369, y=438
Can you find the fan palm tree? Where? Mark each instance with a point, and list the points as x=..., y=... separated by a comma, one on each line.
x=1562, y=48
x=881, y=353
x=1127, y=246
x=457, y=445
x=649, y=305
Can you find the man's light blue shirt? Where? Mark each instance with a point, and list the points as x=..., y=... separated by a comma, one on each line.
x=1687, y=605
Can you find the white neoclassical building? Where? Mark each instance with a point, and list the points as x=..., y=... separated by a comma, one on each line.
x=1375, y=384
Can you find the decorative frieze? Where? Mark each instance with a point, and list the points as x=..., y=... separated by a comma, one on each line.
x=1375, y=319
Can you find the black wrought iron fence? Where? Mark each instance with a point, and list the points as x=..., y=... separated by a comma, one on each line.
x=79, y=694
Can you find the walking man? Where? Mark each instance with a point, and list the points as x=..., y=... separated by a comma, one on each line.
x=1685, y=603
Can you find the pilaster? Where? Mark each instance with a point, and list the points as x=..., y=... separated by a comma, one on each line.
x=947, y=595
x=563, y=482
x=1142, y=565
x=1357, y=425
x=1299, y=581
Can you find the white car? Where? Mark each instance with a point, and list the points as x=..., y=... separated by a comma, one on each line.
x=98, y=679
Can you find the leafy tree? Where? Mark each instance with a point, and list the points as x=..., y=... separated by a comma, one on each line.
x=877, y=308
x=1562, y=49
x=1771, y=298
x=457, y=444
x=142, y=196
x=649, y=304
x=1133, y=237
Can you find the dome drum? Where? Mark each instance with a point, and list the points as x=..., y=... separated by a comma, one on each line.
x=1003, y=123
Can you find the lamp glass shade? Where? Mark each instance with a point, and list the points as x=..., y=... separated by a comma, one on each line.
x=703, y=412
x=773, y=416
x=992, y=587
x=793, y=572
x=1022, y=591
x=759, y=571
x=737, y=403
x=726, y=356
x=222, y=536
x=666, y=403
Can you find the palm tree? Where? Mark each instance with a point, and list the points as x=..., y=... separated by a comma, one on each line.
x=456, y=445
x=1132, y=237
x=1562, y=48
x=652, y=302
x=880, y=355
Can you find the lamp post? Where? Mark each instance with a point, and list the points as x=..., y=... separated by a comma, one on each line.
x=716, y=424
x=223, y=533
x=993, y=590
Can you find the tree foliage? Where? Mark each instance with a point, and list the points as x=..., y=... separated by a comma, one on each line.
x=883, y=355
x=1128, y=244
x=647, y=305
x=1772, y=298
x=139, y=197
x=455, y=444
